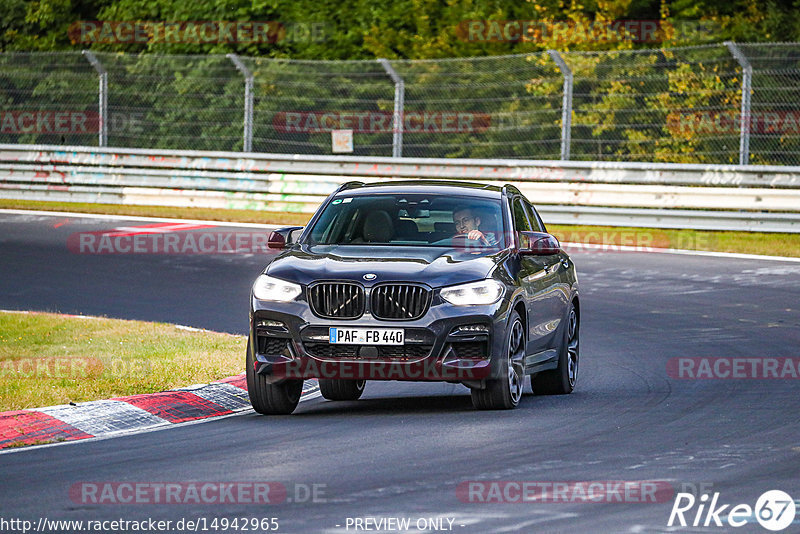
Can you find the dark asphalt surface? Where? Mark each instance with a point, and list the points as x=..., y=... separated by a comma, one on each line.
x=403, y=449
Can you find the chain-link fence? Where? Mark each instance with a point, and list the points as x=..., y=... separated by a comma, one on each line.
x=724, y=103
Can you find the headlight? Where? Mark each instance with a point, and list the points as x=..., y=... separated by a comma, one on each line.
x=474, y=293
x=268, y=288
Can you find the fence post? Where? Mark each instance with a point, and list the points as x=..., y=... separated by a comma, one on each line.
x=102, y=97
x=744, y=119
x=248, y=101
x=566, y=104
x=399, y=105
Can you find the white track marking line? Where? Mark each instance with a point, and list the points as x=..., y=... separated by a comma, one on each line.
x=626, y=248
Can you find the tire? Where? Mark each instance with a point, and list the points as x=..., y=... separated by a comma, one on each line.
x=341, y=390
x=504, y=393
x=562, y=379
x=271, y=399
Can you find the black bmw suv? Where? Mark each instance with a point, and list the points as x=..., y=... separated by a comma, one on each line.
x=422, y=280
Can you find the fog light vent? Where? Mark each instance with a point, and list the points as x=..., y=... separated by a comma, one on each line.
x=471, y=329
x=274, y=324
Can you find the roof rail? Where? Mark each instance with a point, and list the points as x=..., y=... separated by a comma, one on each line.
x=348, y=185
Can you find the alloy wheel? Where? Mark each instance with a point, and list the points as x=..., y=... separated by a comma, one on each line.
x=516, y=358
x=572, y=348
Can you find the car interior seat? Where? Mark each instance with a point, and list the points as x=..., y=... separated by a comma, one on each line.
x=378, y=227
x=408, y=230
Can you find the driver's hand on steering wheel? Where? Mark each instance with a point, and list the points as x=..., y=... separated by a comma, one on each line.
x=477, y=235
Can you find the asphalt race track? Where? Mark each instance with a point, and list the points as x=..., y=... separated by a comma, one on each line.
x=406, y=450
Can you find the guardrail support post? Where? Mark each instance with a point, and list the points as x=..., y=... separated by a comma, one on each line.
x=248, y=101
x=566, y=104
x=102, y=97
x=744, y=119
x=399, y=104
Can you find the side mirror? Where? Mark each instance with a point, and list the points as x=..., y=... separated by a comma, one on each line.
x=538, y=244
x=283, y=237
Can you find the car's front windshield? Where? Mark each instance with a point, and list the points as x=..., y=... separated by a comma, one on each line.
x=410, y=220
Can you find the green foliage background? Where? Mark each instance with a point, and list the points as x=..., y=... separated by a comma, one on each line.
x=625, y=93
x=394, y=29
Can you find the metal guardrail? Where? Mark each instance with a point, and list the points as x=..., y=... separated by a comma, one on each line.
x=656, y=218
x=714, y=197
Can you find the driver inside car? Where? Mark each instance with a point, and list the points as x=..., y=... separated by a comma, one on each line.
x=468, y=223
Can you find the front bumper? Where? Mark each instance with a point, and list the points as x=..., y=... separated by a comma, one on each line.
x=288, y=342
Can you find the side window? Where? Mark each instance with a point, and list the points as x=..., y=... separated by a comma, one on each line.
x=521, y=223
x=536, y=222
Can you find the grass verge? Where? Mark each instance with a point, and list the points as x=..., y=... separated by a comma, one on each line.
x=48, y=359
x=770, y=244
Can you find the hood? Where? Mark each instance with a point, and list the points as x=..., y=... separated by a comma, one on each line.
x=435, y=266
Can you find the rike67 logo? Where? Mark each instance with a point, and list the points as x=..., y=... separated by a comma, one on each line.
x=774, y=510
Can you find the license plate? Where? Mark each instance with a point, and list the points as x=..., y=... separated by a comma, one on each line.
x=367, y=336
